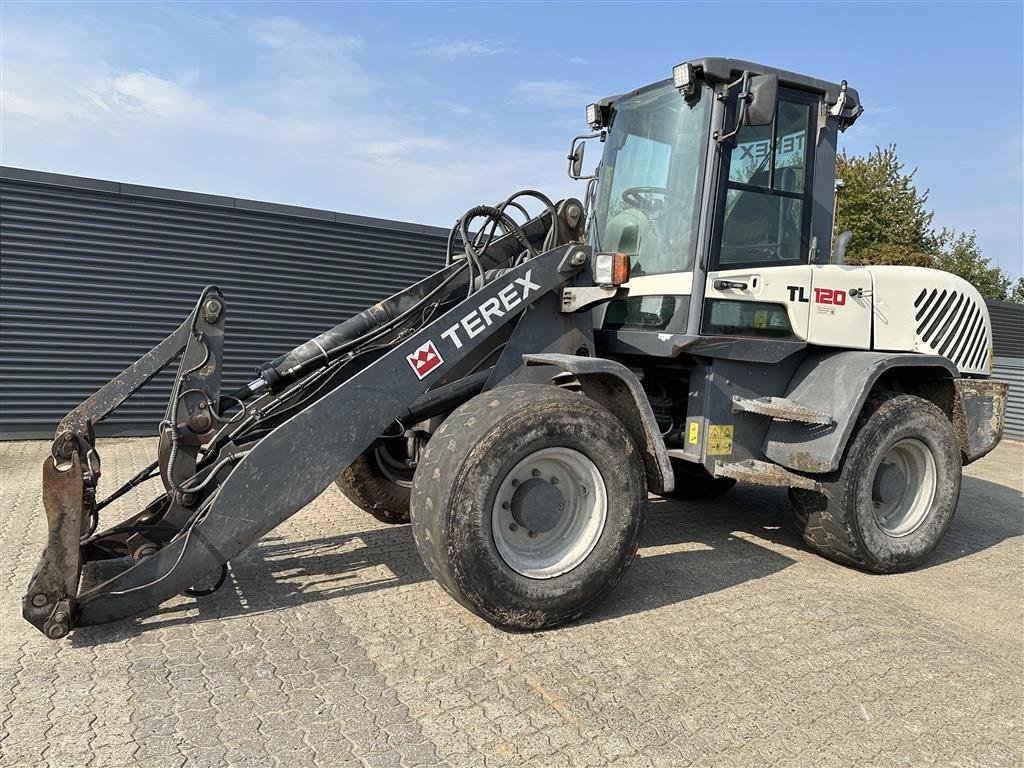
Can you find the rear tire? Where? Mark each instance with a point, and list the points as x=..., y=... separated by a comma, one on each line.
x=376, y=484
x=693, y=481
x=487, y=480
x=895, y=493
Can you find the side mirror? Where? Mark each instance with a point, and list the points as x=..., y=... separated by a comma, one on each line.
x=764, y=91
x=576, y=160
x=576, y=150
x=757, y=99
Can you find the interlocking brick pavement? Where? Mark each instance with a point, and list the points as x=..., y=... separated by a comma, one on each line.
x=727, y=644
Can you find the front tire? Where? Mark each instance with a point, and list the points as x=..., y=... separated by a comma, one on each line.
x=528, y=504
x=894, y=496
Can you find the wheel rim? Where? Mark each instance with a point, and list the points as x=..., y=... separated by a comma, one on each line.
x=903, y=489
x=549, y=513
x=393, y=468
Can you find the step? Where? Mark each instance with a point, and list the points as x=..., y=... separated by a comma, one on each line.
x=763, y=473
x=780, y=409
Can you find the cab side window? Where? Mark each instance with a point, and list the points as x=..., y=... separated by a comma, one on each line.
x=767, y=206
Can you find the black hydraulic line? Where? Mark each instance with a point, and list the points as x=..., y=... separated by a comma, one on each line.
x=445, y=398
x=367, y=326
x=146, y=474
x=381, y=319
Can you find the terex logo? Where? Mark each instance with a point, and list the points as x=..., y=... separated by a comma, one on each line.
x=508, y=298
x=425, y=359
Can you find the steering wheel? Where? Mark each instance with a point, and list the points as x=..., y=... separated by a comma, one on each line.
x=639, y=197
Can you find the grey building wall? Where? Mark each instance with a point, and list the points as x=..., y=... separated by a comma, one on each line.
x=1008, y=363
x=94, y=273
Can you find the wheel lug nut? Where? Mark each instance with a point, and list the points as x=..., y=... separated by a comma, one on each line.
x=514, y=482
x=554, y=481
x=505, y=505
x=583, y=490
x=513, y=527
x=532, y=534
x=536, y=473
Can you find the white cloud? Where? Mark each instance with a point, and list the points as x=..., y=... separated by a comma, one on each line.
x=461, y=49
x=304, y=134
x=559, y=94
x=455, y=109
x=153, y=96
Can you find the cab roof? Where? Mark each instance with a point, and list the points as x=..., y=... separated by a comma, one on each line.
x=724, y=70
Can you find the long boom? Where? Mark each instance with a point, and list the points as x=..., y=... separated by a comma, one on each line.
x=235, y=467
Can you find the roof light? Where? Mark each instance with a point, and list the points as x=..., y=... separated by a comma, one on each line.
x=593, y=116
x=682, y=78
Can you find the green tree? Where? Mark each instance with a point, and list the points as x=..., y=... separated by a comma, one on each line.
x=1017, y=292
x=891, y=224
x=880, y=204
x=958, y=252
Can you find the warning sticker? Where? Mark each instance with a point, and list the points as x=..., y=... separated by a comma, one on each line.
x=719, y=439
x=694, y=433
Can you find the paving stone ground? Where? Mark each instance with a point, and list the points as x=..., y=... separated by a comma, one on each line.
x=727, y=644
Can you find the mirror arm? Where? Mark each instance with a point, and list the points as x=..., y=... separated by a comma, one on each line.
x=743, y=98
x=601, y=135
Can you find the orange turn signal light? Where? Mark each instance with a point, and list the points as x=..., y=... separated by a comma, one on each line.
x=611, y=268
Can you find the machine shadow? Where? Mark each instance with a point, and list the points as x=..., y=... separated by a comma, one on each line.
x=704, y=557
x=694, y=548
x=689, y=549
x=988, y=514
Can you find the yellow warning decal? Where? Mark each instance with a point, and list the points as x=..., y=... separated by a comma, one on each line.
x=694, y=433
x=719, y=439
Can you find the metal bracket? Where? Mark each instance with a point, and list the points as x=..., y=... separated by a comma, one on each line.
x=47, y=604
x=581, y=297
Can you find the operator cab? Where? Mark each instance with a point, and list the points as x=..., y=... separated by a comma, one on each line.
x=717, y=183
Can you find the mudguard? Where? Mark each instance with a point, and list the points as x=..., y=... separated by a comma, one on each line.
x=615, y=387
x=837, y=383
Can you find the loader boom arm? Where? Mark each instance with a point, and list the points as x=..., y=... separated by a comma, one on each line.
x=231, y=478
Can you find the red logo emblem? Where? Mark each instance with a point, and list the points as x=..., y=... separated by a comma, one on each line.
x=425, y=359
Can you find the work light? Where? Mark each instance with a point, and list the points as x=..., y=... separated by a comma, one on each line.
x=682, y=78
x=593, y=116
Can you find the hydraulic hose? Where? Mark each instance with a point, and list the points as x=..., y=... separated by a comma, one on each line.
x=386, y=317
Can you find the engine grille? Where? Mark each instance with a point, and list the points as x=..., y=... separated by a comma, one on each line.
x=953, y=324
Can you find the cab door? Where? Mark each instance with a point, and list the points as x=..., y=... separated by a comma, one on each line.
x=760, y=280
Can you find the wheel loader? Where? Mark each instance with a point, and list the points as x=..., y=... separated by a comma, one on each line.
x=687, y=323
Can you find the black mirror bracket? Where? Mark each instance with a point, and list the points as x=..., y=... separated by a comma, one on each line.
x=576, y=154
x=756, y=92
x=743, y=98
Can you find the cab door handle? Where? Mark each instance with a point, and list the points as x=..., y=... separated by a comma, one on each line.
x=722, y=285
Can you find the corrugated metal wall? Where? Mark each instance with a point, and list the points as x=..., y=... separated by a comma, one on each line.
x=1008, y=365
x=94, y=273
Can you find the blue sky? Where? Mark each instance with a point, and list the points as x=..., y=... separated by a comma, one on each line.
x=418, y=111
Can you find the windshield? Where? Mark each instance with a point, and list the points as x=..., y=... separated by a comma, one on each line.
x=648, y=193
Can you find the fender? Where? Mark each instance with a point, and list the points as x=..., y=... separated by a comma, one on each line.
x=615, y=387
x=838, y=383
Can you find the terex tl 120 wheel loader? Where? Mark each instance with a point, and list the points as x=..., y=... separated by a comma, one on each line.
x=689, y=324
